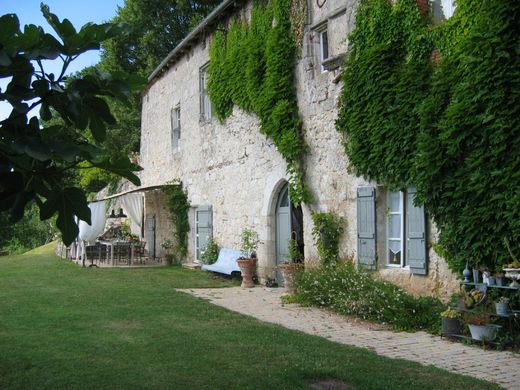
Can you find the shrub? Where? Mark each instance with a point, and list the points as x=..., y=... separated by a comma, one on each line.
x=327, y=231
x=210, y=254
x=348, y=290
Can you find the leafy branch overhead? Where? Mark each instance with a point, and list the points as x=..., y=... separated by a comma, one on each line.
x=35, y=158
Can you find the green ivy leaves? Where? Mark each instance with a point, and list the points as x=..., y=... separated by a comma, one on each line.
x=252, y=66
x=449, y=129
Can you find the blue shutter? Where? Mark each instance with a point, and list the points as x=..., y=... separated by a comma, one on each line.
x=417, y=254
x=366, y=224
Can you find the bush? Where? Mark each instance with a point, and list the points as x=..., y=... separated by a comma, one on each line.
x=348, y=290
x=210, y=253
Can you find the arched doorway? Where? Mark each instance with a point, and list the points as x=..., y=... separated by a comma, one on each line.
x=289, y=225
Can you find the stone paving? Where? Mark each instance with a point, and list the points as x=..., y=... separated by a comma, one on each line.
x=263, y=303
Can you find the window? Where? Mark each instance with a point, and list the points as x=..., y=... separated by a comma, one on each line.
x=394, y=229
x=206, y=110
x=405, y=241
x=176, y=128
x=324, y=48
x=442, y=9
x=203, y=228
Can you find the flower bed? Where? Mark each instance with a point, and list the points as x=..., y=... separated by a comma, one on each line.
x=348, y=290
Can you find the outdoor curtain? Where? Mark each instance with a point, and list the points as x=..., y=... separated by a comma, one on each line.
x=133, y=206
x=89, y=233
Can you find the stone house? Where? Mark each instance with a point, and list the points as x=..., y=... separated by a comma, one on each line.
x=235, y=177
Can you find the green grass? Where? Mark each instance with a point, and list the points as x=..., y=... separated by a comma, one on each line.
x=62, y=326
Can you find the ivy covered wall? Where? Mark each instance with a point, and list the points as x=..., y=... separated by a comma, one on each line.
x=450, y=127
x=252, y=67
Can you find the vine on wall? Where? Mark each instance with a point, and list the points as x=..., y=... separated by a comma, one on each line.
x=252, y=66
x=178, y=205
x=327, y=231
x=451, y=129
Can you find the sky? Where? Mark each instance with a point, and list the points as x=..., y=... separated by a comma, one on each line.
x=78, y=12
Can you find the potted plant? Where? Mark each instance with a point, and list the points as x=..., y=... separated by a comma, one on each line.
x=450, y=322
x=247, y=263
x=293, y=264
x=168, y=246
x=502, y=306
x=500, y=277
x=479, y=325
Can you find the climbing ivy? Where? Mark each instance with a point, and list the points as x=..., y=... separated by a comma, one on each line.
x=327, y=231
x=387, y=72
x=451, y=128
x=252, y=66
x=178, y=205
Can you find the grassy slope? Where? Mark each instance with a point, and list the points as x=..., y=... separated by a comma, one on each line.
x=66, y=327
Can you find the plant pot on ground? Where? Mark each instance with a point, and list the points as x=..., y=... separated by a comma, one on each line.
x=248, y=261
x=168, y=246
x=293, y=265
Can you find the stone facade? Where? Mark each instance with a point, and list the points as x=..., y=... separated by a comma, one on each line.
x=239, y=173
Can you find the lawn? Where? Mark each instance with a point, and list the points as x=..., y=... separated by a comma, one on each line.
x=62, y=326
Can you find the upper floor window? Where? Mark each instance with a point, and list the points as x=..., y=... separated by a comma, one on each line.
x=206, y=110
x=176, y=128
x=442, y=9
x=324, y=47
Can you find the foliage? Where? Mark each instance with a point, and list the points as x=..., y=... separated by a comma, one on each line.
x=141, y=320
x=210, y=253
x=294, y=255
x=468, y=162
x=27, y=233
x=249, y=241
x=449, y=128
x=178, y=205
x=252, y=67
x=450, y=313
x=34, y=160
x=348, y=290
x=327, y=231
x=386, y=73
x=158, y=27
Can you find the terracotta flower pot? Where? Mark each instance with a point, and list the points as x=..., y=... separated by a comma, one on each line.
x=247, y=268
x=288, y=272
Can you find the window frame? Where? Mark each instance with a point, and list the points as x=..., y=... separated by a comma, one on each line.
x=324, y=48
x=175, y=119
x=402, y=213
x=205, y=106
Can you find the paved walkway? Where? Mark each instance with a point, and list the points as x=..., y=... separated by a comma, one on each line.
x=263, y=303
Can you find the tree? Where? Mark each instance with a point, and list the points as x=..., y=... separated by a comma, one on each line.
x=158, y=27
x=35, y=159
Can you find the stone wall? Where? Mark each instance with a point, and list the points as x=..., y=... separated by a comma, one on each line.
x=237, y=171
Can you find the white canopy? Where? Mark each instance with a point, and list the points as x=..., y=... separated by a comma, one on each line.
x=89, y=233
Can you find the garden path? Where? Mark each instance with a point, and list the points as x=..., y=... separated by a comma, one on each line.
x=265, y=304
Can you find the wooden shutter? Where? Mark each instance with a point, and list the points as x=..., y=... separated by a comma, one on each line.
x=366, y=224
x=417, y=255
